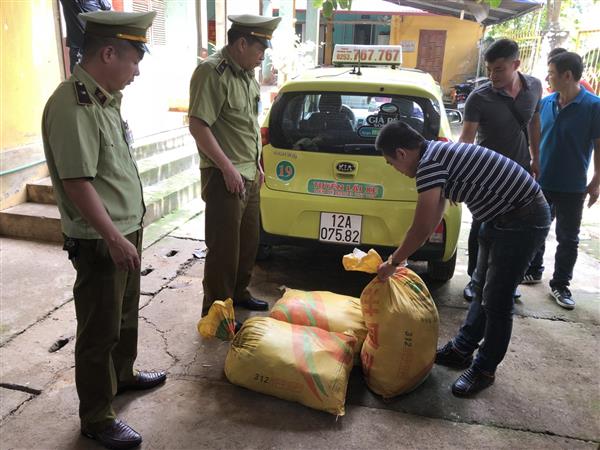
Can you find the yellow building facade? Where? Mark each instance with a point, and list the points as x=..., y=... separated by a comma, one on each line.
x=31, y=69
x=460, y=49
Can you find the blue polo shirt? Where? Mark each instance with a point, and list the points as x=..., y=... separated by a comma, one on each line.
x=568, y=136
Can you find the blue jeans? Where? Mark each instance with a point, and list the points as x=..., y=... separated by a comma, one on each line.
x=473, y=246
x=506, y=246
x=567, y=208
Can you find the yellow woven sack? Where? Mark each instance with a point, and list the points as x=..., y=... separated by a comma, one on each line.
x=360, y=261
x=402, y=323
x=293, y=362
x=219, y=322
x=322, y=309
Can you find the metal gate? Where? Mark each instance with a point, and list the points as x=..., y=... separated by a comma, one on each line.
x=530, y=44
x=588, y=46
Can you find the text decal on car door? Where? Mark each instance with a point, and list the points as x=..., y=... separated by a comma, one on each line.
x=341, y=189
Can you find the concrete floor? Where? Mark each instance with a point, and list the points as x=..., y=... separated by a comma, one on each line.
x=547, y=393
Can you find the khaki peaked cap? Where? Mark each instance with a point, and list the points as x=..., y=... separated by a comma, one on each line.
x=259, y=27
x=130, y=26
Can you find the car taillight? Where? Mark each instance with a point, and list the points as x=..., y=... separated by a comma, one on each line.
x=264, y=135
x=437, y=237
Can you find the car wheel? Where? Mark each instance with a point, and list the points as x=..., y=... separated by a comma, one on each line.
x=264, y=252
x=441, y=270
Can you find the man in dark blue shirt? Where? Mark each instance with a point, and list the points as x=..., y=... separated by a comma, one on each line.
x=515, y=221
x=570, y=124
x=76, y=27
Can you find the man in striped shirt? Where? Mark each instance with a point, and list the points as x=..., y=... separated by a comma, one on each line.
x=516, y=220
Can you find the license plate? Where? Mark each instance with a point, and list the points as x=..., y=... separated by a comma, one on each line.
x=340, y=228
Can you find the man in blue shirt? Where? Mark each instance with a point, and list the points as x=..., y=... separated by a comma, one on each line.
x=570, y=126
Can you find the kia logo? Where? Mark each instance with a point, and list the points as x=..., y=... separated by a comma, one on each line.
x=345, y=167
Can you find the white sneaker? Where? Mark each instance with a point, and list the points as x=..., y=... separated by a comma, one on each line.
x=563, y=297
x=531, y=279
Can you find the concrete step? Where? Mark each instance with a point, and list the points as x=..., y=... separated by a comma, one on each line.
x=168, y=166
x=35, y=221
x=152, y=170
x=41, y=191
x=38, y=221
x=170, y=194
x=161, y=166
x=161, y=142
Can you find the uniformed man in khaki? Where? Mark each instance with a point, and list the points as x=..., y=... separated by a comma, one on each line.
x=99, y=195
x=224, y=100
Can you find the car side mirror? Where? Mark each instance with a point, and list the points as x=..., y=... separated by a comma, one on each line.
x=454, y=116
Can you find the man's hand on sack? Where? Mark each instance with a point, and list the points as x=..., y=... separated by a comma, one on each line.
x=387, y=269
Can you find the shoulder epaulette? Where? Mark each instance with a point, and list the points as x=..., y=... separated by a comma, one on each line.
x=100, y=96
x=83, y=96
x=222, y=66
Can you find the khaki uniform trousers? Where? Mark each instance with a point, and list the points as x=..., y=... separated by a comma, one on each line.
x=106, y=306
x=232, y=228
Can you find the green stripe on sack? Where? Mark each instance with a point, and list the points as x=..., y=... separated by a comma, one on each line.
x=311, y=364
x=308, y=310
x=285, y=311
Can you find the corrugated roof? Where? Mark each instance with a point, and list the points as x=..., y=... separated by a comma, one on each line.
x=364, y=6
x=471, y=10
x=466, y=9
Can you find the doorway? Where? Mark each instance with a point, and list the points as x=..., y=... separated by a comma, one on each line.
x=432, y=44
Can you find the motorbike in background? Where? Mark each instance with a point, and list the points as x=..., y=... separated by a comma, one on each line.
x=461, y=91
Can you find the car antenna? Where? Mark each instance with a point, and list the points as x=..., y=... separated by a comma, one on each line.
x=355, y=70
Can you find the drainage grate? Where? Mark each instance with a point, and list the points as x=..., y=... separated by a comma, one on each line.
x=60, y=343
x=146, y=271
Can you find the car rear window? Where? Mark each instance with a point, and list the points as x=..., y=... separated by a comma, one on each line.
x=339, y=122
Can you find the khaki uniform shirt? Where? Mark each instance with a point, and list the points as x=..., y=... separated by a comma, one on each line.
x=85, y=137
x=225, y=97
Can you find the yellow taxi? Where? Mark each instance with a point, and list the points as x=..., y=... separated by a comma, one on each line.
x=325, y=181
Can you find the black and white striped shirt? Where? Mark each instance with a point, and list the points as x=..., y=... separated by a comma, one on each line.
x=490, y=184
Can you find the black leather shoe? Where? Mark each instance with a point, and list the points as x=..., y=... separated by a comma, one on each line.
x=118, y=435
x=143, y=380
x=471, y=382
x=468, y=293
x=253, y=304
x=450, y=357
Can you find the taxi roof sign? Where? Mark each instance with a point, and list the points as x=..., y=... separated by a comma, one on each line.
x=386, y=55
